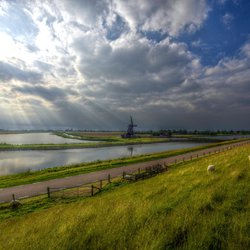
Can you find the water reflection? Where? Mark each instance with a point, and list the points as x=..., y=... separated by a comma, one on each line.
x=21, y=161
x=229, y=137
x=36, y=138
x=130, y=150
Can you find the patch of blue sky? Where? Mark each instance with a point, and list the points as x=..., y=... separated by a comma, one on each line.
x=114, y=31
x=217, y=39
x=155, y=36
x=17, y=23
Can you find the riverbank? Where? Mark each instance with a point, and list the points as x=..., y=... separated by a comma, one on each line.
x=132, y=141
x=83, y=168
x=100, y=144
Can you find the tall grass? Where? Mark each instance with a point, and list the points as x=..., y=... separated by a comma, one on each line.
x=185, y=208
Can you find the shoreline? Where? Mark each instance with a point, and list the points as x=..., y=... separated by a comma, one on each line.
x=82, y=168
x=71, y=175
x=45, y=147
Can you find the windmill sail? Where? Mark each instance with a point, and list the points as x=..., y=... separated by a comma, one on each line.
x=130, y=131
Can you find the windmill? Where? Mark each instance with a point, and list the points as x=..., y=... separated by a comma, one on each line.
x=130, y=131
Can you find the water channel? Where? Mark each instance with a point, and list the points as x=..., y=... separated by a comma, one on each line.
x=36, y=138
x=21, y=161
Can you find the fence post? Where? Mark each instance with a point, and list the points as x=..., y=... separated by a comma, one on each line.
x=175, y=161
x=92, y=190
x=191, y=157
x=183, y=159
x=123, y=175
x=165, y=166
x=197, y=155
x=100, y=184
x=48, y=192
x=139, y=170
x=109, y=178
x=13, y=197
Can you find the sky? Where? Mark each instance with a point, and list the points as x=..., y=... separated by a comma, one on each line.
x=90, y=64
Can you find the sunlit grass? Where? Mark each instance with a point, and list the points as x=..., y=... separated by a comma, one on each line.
x=184, y=208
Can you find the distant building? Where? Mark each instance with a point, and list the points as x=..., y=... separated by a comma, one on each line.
x=130, y=131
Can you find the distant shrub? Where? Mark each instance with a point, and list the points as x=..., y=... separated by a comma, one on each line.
x=15, y=204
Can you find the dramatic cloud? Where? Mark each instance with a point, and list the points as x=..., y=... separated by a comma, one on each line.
x=9, y=72
x=172, y=17
x=92, y=63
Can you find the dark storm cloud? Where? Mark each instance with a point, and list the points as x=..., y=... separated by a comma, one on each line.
x=9, y=72
x=163, y=81
x=88, y=114
x=139, y=67
x=51, y=94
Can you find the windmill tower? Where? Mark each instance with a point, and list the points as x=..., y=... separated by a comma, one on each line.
x=130, y=131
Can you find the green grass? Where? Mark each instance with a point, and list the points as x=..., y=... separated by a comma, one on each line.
x=116, y=137
x=83, y=168
x=185, y=208
x=111, y=142
x=96, y=140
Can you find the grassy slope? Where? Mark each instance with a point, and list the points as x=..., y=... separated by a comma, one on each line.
x=82, y=168
x=185, y=208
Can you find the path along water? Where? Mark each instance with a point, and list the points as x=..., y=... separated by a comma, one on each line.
x=41, y=187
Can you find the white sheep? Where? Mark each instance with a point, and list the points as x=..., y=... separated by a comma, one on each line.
x=249, y=157
x=211, y=168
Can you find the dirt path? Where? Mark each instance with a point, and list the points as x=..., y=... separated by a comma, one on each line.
x=41, y=187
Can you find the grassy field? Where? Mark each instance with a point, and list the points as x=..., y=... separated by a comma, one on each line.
x=96, y=139
x=116, y=136
x=184, y=208
x=95, y=136
x=103, y=143
x=83, y=168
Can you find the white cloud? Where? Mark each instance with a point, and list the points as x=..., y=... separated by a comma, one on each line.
x=222, y=1
x=86, y=63
x=197, y=43
x=246, y=50
x=227, y=20
x=172, y=17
